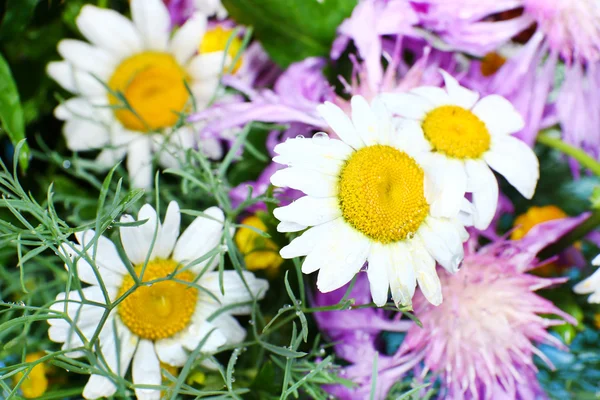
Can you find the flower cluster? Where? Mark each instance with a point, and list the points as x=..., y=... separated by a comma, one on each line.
x=418, y=177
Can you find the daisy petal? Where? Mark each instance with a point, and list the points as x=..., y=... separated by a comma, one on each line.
x=136, y=240
x=109, y=30
x=484, y=186
x=443, y=242
x=379, y=283
x=337, y=119
x=435, y=95
x=309, y=211
x=83, y=135
x=450, y=181
x=102, y=250
x=146, y=370
x=171, y=352
x=75, y=80
x=202, y=330
x=235, y=289
x=459, y=95
x=169, y=232
x=407, y=105
x=340, y=259
x=516, y=161
x=409, y=137
x=326, y=157
x=364, y=120
x=230, y=327
x=88, y=58
x=188, y=38
x=427, y=277
x=310, y=182
x=202, y=236
x=206, y=66
x=499, y=115
x=139, y=163
x=401, y=274
x=303, y=244
x=152, y=20
x=290, y=227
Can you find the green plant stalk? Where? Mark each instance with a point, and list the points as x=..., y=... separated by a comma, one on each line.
x=584, y=159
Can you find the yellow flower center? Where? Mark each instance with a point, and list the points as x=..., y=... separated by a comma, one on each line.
x=534, y=216
x=158, y=310
x=153, y=85
x=259, y=252
x=381, y=193
x=216, y=39
x=36, y=383
x=456, y=132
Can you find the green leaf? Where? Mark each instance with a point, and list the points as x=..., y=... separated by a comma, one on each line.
x=17, y=15
x=292, y=30
x=11, y=113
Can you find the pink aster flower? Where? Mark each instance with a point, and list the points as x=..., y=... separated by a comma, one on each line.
x=564, y=30
x=481, y=340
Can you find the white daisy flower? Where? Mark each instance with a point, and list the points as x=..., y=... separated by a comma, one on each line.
x=591, y=284
x=160, y=321
x=140, y=63
x=368, y=198
x=467, y=136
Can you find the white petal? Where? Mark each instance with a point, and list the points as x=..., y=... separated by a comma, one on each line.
x=311, y=182
x=82, y=135
x=169, y=232
x=103, y=251
x=484, y=186
x=385, y=122
x=450, y=181
x=88, y=58
x=230, y=327
x=109, y=30
x=443, y=241
x=188, y=38
x=499, y=115
x=408, y=136
x=377, y=273
x=428, y=279
x=171, y=352
x=139, y=163
x=401, y=274
x=407, y=105
x=146, y=370
x=91, y=109
x=340, y=258
x=100, y=386
x=309, y=211
x=198, y=331
x=235, y=289
x=589, y=285
x=75, y=80
x=364, y=120
x=204, y=90
x=152, y=20
x=596, y=260
x=206, y=66
x=286, y=226
x=516, y=161
x=86, y=273
x=435, y=95
x=137, y=240
x=324, y=156
x=460, y=96
x=303, y=244
x=337, y=119
x=202, y=236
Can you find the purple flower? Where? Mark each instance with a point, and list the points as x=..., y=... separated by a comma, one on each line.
x=181, y=10
x=563, y=30
x=479, y=342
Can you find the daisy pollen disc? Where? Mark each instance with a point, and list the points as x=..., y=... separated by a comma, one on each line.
x=456, y=132
x=381, y=193
x=153, y=83
x=162, y=309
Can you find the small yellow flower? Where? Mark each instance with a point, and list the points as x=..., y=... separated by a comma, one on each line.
x=216, y=39
x=259, y=252
x=36, y=382
x=534, y=216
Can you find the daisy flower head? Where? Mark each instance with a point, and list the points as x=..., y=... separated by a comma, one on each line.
x=166, y=302
x=368, y=198
x=481, y=341
x=467, y=137
x=133, y=83
x=591, y=285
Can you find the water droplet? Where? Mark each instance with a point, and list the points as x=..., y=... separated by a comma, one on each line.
x=320, y=138
x=66, y=164
x=300, y=137
x=251, y=322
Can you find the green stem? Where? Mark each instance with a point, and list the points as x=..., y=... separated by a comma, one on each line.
x=581, y=156
x=576, y=234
